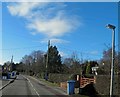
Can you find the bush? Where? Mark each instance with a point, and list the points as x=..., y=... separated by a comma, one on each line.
x=89, y=75
x=57, y=78
x=42, y=75
x=102, y=84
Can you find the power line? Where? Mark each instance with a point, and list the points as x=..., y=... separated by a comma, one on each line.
x=85, y=53
x=21, y=48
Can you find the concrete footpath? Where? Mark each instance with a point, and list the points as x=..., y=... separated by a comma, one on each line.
x=6, y=82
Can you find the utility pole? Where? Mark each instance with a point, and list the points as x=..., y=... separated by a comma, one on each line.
x=11, y=63
x=81, y=57
x=12, y=59
x=47, y=60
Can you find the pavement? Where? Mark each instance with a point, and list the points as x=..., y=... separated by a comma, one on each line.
x=5, y=82
x=20, y=87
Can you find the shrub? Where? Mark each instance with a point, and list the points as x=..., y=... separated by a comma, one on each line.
x=57, y=78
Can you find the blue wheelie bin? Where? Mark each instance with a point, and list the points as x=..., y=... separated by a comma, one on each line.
x=70, y=87
x=9, y=75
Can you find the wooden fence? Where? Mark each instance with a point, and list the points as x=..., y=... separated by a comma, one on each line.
x=85, y=81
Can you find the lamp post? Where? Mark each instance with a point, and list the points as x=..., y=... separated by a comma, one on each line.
x=112, y=27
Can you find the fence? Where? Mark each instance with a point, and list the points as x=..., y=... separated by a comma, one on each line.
x=86, y=81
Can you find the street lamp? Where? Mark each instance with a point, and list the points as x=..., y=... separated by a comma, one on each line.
x=113, y=57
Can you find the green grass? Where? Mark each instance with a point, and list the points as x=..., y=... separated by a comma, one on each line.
x=78, y=95
x=55, y=84
x=49, y=83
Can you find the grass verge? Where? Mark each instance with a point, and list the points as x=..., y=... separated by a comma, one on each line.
x=49, y=83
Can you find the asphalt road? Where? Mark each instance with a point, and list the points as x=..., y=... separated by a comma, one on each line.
x=28, y=86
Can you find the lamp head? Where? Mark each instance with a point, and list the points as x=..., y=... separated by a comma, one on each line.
x=110, y=26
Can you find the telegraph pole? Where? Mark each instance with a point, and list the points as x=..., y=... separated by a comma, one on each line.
x=81, y=57
x=11, y=63
x=47, y=60
x=12, y=59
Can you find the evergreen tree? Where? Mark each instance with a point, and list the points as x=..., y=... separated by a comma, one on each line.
x=54, y=61
x=88, y=68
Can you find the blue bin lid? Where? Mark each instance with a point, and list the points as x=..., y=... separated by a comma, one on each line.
x=71, y=81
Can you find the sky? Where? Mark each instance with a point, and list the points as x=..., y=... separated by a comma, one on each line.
x=77, y=27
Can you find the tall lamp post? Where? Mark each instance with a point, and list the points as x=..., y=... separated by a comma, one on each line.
x=112, y=27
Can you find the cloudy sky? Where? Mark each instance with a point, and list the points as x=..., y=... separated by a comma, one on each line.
x=72, y=26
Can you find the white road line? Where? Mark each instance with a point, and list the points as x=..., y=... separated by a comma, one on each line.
x=36, y=92
x=64, y=93
x=32, y=86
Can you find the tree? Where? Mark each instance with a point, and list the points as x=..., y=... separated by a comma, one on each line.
x=38, y=64
x=87, y=67
x=68, y=61
x=54, y=60
x=106, y=61
x=26, y=60
x=73, y=64
x=34, y=62
x=9, y=66
x=20, y=67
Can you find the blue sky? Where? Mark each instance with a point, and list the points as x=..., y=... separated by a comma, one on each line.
x=73, y=27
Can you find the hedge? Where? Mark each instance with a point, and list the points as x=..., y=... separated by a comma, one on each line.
x=57, y=78
x=102, y=84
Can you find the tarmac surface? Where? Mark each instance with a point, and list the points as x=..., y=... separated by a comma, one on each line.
x=29, y=86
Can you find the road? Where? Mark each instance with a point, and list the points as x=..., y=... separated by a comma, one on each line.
x=28, y=86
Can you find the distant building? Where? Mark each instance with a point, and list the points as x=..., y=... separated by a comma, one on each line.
x=94, y=70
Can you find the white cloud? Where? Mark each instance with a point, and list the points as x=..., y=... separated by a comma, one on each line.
x=55, y=27
x=24, y=9
x=21, y=9
x=33, y=33
x=49, y=19
x=54, y=41
x=1, y=61
x=94, y=52
x=63, y=54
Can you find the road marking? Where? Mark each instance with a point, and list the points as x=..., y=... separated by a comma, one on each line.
x=64, y=93
x=32, y=86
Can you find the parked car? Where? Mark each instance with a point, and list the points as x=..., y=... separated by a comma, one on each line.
x=13, y=74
